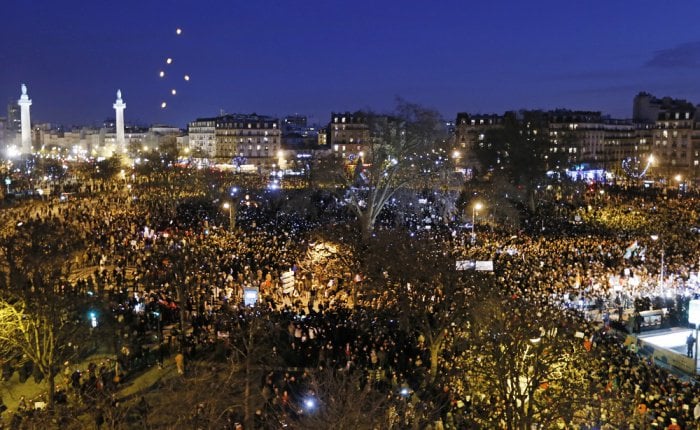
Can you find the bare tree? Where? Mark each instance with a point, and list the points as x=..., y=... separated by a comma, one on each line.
x=522, y=357
x=43, y=334
x=430, y=297
x=37, y=318
x=341, y=400
x=217, y=388
x=251, y=340
x=201, y=400
x=402, y=151
x=520, y=151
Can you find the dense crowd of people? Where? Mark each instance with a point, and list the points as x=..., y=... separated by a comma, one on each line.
x=174, y=276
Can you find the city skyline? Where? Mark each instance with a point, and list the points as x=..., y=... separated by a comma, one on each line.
x=315, y=58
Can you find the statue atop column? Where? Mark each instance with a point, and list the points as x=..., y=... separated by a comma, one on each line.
x=25, y=121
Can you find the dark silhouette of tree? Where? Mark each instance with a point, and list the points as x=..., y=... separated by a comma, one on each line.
x=226, y=382
x=520, y=150
x=341, y=400
x=523, y=356
x=37, y=317
x=500, y=199
x=50, y=167
x=251, y=341
x=157, y=160
x=402, y=151
x=108, y=168
x=428, y=296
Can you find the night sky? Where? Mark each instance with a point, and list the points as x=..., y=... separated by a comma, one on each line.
x=316, y=56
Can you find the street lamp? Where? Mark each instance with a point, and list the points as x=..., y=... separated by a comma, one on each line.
x=679, y=182
x=655, y=237
x=231, y=220
x=477, y=207
x=650, y=161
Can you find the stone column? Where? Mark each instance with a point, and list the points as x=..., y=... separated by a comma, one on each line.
x=26, y=139
x=119, y=107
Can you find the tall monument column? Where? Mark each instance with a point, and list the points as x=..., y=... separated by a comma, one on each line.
x=26, y=140
x=119, y=107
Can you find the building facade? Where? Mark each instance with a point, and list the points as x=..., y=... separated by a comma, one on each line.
x=251, y=139
x=595, y=140
x=469, y=134
x=202, y=137
x=676, y=144
x=349, y=133
x=672, y=127
x=577, y=139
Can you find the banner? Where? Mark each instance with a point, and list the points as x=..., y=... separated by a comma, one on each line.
x=288, y=281
x=486, y=266
x=465, y=264
x=679, y=361
x=630, y=250
x=250, y=296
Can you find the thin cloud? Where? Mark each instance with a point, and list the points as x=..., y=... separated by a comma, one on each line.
x=617, y=89
x=685, y=55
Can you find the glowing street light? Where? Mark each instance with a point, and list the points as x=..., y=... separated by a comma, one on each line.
x=679, y=181
x=655, y=237
x=310, y=403
x=231, y=216
x=477, y=207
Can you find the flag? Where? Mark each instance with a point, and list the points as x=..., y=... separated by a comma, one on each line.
x=629, y=252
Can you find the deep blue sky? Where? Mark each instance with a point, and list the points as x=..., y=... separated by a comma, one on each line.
x=316, y=56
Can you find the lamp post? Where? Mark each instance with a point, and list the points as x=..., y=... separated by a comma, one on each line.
x=679, y=182
x=655, y=237
x=477, y=206
x=231, y=220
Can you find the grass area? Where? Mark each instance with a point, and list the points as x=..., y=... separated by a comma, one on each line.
x=129, y=391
